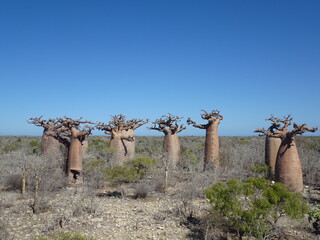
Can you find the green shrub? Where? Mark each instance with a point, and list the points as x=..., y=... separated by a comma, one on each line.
x=141, y=164
x=99, y=145
x=121, y=174
x=260, y=170
x=249, y=206
x=65, y=236
x=36, y=146
x=314, y=217
x=243, y=141
x=93, y=164
x=131, y=172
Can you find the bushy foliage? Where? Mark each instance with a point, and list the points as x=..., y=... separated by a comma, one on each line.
x=131, y=172
x=99, y=147
x=141, y=164
x=36, y=146
x=93, y=164
x=314, y=217
x=251, y=207
x=121, y=174
x=260, y=170
x=65, y=236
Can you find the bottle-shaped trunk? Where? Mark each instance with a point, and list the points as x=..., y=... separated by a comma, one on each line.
x=271, y=151
x=130, y=143
x=75, y=155
x=171, y=146
x=50, y=147
x=119, y=151
x=288, y=166
x=85, y=146
x=131, y=148
x=211, y=155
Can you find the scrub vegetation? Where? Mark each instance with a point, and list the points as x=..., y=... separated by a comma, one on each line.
x=233, y=201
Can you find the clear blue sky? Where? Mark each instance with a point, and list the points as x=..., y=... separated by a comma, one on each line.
x=146, y=58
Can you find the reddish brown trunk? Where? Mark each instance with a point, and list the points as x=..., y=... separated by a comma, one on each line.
x=212, y=145
x=119, y=155
x=50, y=147
x=130, y=145
x=288, y=166
x=271, y=151
x=75, y=152
x=85, y=146
x=171, y=146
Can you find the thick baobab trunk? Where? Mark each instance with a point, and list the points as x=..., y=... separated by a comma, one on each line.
x=129, y=144
x=50, y=147
x=171, y=146
x=271, y=151
x=75, y=155
x=85, y=146
x=288, y=166
x=212, y=146
x=119, y=155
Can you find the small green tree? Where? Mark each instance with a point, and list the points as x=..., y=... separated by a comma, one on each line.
x=252, y=207
x=314, y=217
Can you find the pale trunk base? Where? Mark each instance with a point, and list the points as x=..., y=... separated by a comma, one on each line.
x=119, y=155
x=271, y=151
x=288, y=167
x=171, y=146
x=75, y=155
x=212, y=146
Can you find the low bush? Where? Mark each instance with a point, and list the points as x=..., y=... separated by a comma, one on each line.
x=252, y=207
x=260, y=170
x=13, y=182
x=121, y=174
x=36, y=146
x=141, y=190
x=141, y=164
x=131, y=172
x=314, y=217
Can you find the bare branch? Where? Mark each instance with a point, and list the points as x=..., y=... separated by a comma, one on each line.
x=213, y=114
x=201, y=126
x=168, y=124
x=300, y=129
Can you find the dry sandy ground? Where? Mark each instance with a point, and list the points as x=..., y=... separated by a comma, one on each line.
x=111, y=217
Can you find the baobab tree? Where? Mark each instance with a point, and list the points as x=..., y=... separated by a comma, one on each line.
x=211, y=155
x=72, y=135
x=288, y=169
x=50, y=146
x=129, y=134
x=272, y=142
x=168, y=124
x=122, y=137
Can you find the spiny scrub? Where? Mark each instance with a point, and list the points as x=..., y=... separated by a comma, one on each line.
x=314, y=217
x=131, y=172
x=249, y=206
x=141, y=164
x=13, y=146
x=65, y=236
x=121, y=174
x=260, y=170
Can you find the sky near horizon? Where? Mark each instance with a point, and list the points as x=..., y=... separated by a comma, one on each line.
x=144, y=59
